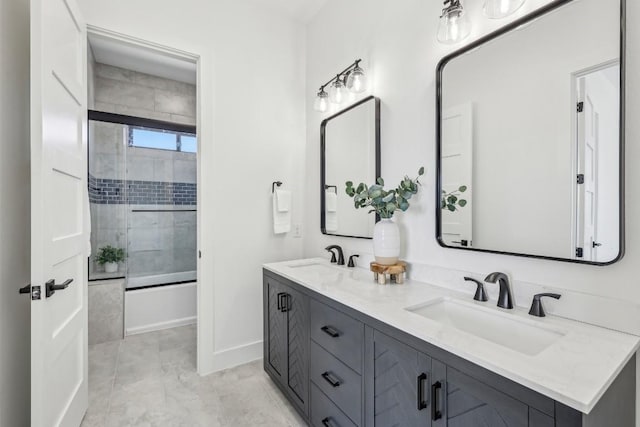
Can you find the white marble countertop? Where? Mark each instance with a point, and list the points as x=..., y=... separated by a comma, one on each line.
x=575, y=370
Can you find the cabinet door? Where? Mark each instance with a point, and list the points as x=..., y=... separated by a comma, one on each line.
x=398, y=394
x=462, y=401
x=275, y=329
x=297, y=310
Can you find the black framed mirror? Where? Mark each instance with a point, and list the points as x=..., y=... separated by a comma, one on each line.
x=530, y=137
x=349, y=151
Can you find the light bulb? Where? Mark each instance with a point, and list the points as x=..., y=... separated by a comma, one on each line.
x=496, y=9
x=338, y=92
x=357, y=80
x=454, y=23
x=322, y=101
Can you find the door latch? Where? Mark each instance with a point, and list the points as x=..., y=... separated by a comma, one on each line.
x=51, y=286
x=34, y=291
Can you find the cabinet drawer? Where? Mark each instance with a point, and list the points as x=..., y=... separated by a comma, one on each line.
x=324, y=413
x=337, y=381
x=338, y=333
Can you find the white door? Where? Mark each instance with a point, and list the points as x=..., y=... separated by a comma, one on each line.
x=457, y=171
x=587, y=180
x=59, y=214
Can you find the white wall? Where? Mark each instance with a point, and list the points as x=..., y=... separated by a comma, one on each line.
x=524, y=109
x=15, y=314
x=251, y=130
x=399, y=41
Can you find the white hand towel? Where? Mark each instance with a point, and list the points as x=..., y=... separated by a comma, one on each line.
x=331, y=221
x=281, y=220
x=283, y=200
x=331, y=201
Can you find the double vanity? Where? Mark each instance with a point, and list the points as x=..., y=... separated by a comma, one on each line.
x=349, y=352
x=529, y=136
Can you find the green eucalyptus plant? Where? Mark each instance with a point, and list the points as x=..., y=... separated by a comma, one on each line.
x=109, y=254
x=384, y=202
x=451, y=200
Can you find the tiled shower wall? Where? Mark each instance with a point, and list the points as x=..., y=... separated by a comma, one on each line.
x=125, y=180
x=136, y=94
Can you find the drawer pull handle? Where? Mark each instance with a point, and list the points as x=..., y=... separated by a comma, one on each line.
x=327, y=422
x=435, y=389
x=334, y=382
x=422, y=404
x=279, y=297
x=332, y=332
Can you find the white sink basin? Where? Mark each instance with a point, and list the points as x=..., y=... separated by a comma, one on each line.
x=315, y=268
x=500, y=328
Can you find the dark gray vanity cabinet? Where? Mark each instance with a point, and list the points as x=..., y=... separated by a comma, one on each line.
x=398, y=383
x=460, y=400
x=342, y=368
x=286, y=340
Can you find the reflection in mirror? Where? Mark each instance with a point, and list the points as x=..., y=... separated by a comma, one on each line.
x=530, y=129
x=350, y=143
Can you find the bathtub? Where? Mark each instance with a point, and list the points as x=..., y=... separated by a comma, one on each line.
x=159, y=307
x=160, y=279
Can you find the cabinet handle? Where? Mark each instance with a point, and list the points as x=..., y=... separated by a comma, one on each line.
x=327, y=377
x=288, y=302
x=326, y=422
x=331, y=331
x=435, y=389
x=280, y=300
x=422, y=404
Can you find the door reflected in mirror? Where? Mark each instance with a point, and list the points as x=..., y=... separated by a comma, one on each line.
x=529, y=128
x=350, y=147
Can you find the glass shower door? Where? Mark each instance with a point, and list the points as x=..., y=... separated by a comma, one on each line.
x=161, y=209
x=107, y=198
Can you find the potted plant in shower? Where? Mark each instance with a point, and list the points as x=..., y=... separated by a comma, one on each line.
x=385, y=203
x=110, y=257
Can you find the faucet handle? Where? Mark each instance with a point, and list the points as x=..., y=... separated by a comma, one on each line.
x=481, y=294
x=351, y=263
x=536, y=306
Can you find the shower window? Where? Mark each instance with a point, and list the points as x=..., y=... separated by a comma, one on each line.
x=162, y=139
x=142, y=187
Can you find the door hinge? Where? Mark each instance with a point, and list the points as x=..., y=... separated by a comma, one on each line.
x=199, y=254
x=579, y=252
x=580, y=107
x=580, y=179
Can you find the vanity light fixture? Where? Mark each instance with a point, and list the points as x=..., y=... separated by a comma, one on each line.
x=322, y=101
x=353, y=80
x=454, y=24
x=497, y=9
x=337, y=91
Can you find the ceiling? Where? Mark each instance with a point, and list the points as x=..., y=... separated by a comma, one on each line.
x=300, y=10
x=138, y=58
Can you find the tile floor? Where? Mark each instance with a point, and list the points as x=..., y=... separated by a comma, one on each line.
x=151, y=380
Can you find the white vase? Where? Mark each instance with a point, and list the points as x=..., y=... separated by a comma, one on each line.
x=386, y=242
x=110, y=267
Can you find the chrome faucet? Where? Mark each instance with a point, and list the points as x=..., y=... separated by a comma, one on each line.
x=505, y=299
x=340, y=253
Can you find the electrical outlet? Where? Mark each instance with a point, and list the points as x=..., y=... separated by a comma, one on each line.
x=297, y=231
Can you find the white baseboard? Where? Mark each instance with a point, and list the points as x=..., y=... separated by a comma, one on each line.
x=233, y=357
x=161, y=325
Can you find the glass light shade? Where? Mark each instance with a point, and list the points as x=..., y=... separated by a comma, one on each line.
x=454, y=26
x=321, y=104
x=357, y=80
x=338, y=92
x=496, y=9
